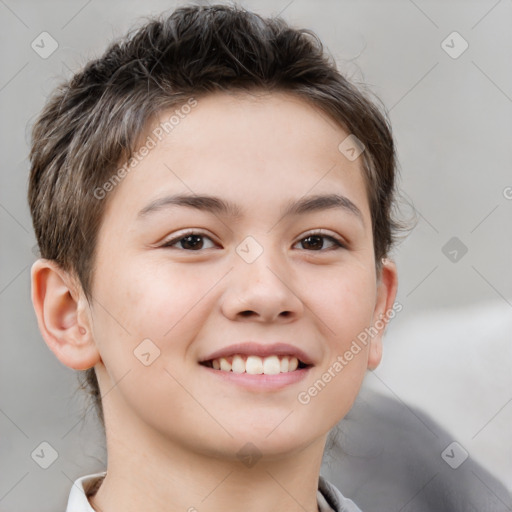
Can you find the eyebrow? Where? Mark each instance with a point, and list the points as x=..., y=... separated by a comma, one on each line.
x=219, y=206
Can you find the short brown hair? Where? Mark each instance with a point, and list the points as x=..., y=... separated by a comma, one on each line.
x=93, y=122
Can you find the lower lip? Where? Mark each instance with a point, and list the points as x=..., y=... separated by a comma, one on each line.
x=260, y=382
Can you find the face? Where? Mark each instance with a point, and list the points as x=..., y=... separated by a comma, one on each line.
x=257, y=276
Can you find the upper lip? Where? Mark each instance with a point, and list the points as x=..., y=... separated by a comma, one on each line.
x=252, y=348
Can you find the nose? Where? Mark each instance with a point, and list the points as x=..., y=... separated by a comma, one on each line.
x=261, y=291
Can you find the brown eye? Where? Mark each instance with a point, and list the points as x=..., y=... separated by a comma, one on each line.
x=313, y=242
x=316, y=242
x=192, y=242
x=188, y=242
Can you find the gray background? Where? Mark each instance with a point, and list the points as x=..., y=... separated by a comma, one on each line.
x=447, y=352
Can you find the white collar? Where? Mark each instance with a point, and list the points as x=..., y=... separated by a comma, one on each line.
x=78, y=501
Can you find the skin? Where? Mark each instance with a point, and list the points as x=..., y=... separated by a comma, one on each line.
x=173, y=428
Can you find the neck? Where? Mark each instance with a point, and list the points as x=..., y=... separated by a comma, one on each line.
x=146, y=472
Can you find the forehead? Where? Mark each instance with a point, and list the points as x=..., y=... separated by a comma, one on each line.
x=275, y=125
x=252, y=149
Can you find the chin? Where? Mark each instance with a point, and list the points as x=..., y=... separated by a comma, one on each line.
x=279, y=444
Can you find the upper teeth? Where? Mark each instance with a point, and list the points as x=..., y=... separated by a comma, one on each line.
x=271, y=365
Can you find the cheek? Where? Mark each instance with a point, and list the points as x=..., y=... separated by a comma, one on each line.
x=159, y=310
x=151, y=302
x=173, y=303
x=344, y=303
x=144, y=326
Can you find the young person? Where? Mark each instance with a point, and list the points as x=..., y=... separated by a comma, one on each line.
x=213, y=202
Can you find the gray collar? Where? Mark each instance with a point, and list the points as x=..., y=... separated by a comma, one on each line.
x=330, y=499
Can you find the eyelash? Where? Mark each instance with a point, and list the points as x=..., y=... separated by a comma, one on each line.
x=338, y=243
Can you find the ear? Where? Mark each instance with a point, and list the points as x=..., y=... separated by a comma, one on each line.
x=62, y=315
x=387, y=284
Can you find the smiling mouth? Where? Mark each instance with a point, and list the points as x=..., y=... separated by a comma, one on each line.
x=256, y=365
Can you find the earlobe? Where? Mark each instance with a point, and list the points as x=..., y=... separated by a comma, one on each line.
x=59, y=306
x=387, y=286
x=375, y=353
